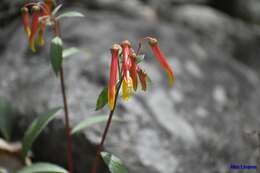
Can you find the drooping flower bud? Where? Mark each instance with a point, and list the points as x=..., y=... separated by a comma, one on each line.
x=35, y=24
x=113, y=76
x=160, y=57
x=143, y=78
x=133, y=72
x=26, y=20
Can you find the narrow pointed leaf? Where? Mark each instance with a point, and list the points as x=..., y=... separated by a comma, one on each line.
x=92, y=121
x=102, y=99
x=114, y=164
x=42, y=167
x=56, y=54
x=69, y=52
x=56, y=10
x=6, y=118
x=70, y=14
x=36, y=128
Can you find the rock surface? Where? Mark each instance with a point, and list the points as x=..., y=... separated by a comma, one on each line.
x=200, y=124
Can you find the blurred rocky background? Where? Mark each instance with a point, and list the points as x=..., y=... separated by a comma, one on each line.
x=200, y=125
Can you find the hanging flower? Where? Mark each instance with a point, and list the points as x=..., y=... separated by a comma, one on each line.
x=161, y=58
x=113, y=75
x=127, y=81
x=35, y=23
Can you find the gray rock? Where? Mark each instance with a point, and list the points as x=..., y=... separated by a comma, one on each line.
x=197, y=125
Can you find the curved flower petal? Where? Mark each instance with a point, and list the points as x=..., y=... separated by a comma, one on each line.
x=161, y=58
x=113, y=76
x=26, y=20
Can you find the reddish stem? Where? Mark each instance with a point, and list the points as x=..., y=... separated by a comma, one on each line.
x=67, y=123
x=66, y=112
x=100, y=146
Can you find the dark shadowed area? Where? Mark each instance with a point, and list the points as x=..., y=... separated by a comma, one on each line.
x=201, y=125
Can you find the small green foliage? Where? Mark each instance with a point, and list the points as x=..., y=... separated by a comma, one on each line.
x=114, y=164
x=70, y=14
x=36, y=128
x=42, y=168
x=6, y=114
x=56, y=54
x=90, y=122
x=102, y=99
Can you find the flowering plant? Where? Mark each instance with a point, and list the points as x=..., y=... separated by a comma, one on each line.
x=126, y=73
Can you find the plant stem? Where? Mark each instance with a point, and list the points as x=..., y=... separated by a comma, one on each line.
x=100, y=146
x=66, y=112
x=67, y=123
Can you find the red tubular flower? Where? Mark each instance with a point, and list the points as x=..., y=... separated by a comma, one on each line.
x=143, y=78
x=159, y=55
x=35, y=22
x=133, y=72
x=26, y=20
x=113, y=76
x=127, y=81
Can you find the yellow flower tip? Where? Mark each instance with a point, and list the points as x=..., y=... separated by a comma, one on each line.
x=41, y=41
x=32, y=45
x=171, y=78
x=127, y=89
x=28, y=31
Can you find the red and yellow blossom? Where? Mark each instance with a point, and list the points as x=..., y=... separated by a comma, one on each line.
x=129, y=69
x=161, y=58
x=40, y=16
x=113, y=76
x=35, y=23
x=127, y=81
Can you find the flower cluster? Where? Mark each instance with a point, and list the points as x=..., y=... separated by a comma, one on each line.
x=40, y=17
x=131, y=71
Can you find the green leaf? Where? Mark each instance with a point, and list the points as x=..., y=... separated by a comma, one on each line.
x=56, y=54
x=92, y=121
x=102, y=99
x=140, y=58
x=36, y=128
x=114, y=164
x=42, y=168
x=69, y=52
x=6, y=117
x=56, y=10
x=70, y=14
